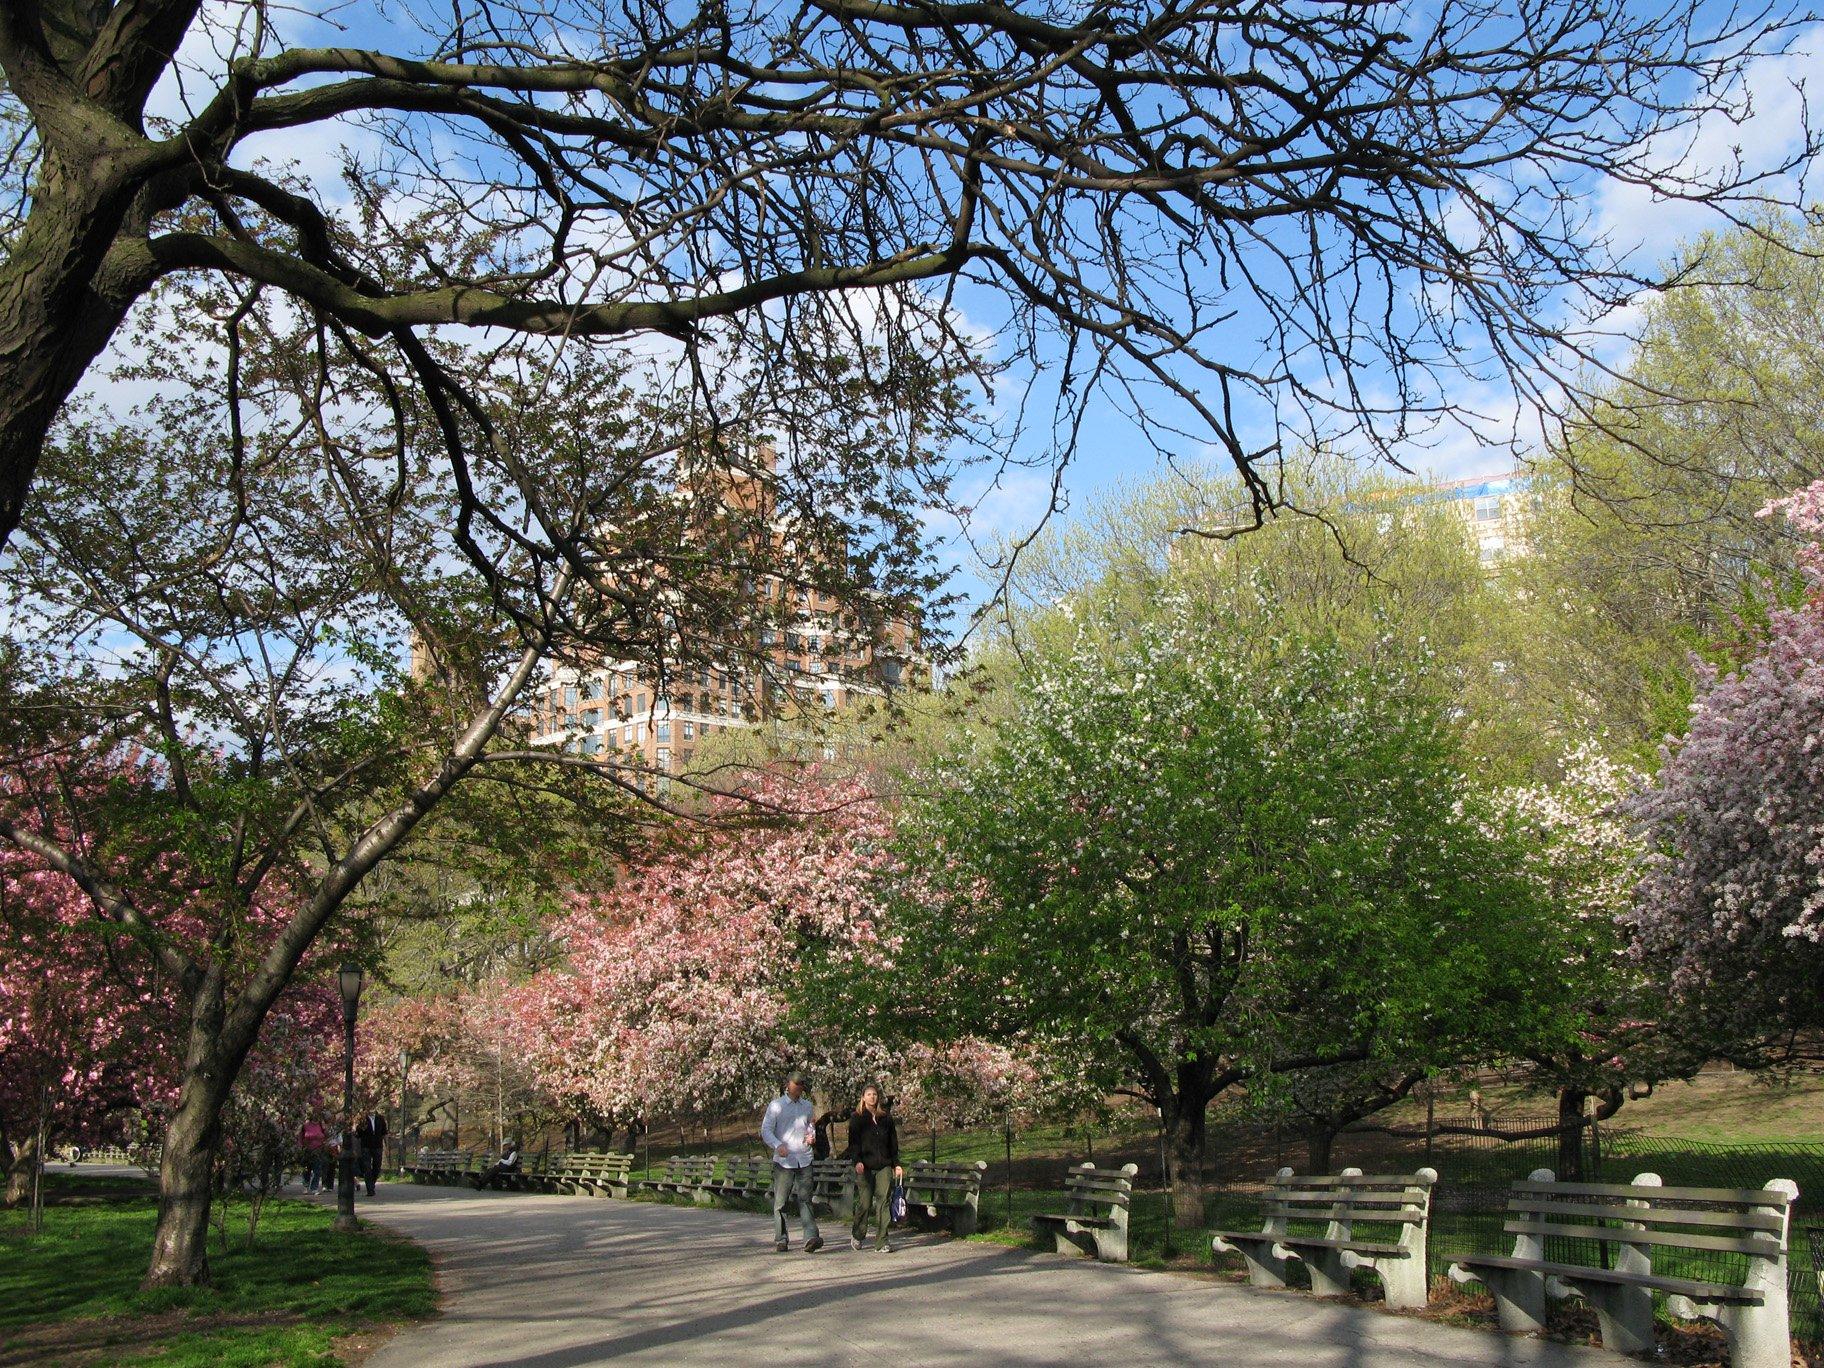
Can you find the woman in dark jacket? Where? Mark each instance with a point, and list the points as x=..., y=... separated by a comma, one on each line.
x=874, y=1150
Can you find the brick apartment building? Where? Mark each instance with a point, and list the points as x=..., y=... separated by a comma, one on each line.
x=807, y=652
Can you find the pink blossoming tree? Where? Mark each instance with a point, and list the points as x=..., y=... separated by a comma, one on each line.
x=1732, y=901
x=85, y=1029
x=680, y=991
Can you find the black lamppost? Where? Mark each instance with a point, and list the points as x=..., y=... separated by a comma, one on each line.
x=405, y=1062
x=349, y=980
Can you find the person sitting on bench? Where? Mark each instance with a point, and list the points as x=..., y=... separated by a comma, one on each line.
x=507, y=1164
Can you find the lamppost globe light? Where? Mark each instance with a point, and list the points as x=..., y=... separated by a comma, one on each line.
x=349, y=980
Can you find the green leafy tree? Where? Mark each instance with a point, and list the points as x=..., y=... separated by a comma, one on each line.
x=223, y=586
x=1647, y=546
x=1196, y=862
x=1373, y=561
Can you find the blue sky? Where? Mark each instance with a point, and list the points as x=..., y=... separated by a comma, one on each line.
x=1113, y=449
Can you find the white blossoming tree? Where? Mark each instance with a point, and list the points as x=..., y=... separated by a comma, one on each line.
x=1212, y=862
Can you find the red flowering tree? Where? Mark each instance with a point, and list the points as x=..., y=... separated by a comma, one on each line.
x=92, y=1024
x=85, y=1027
x=678, y=993
x=1732, y=902
x=675, y=995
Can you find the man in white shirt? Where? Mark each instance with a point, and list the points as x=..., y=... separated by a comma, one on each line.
x=789, y=1132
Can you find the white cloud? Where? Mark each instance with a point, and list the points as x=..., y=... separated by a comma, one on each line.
x=1761, y=126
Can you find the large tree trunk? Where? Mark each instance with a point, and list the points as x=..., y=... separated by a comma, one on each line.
x=180, y=1245
x=186, y=1171
x=63, y=294
x=22, y=1161
x=1184, y=1157
x=1570, y=1135
x=1319, y=1141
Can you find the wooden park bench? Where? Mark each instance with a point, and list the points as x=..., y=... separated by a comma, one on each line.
x=591, y=1173
x=530, y=1174
x=463, y=1168
x=1096, y=1222
x=684, y=1176
x=833, y=1186
x=949, y=1194
x=520, y=1179
x=743, y=1179
x=438, y=1166
x=1373, y=1221
x=1634, y=1225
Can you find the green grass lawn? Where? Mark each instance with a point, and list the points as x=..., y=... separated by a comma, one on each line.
x=70, y=1295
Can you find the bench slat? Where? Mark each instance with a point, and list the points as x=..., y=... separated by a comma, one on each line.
x=1079, y=1186
x=1761, y=1197
x=1359, y=1217
x=1357, y=1246
x=1700, y=1291
x=1670, y=1239
x=1654, y=1215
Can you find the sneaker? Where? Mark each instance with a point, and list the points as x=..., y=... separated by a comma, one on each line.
x=780, y=1246
x=812, y=1245
x=884, y=1249
x=855, y=1243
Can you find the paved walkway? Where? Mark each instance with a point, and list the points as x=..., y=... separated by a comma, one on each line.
x=550, y=1282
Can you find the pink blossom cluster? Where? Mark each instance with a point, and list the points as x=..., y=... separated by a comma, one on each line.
x=1733, y=893
x=86, y=1029
x=90, y=1028
x=676, y=990
x=674, y=996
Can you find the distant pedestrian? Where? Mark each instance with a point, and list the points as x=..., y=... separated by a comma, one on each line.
x=874, y=1150
x=313, y=1146
x=789, y=1133
x=370, y=1141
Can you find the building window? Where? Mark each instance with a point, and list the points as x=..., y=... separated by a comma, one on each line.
x=664, y=758
x=627, y=734
x=1488, y=507
x=570, y=696
x=592, y=745
x=690, y=732
x=664, y=731
x=592, y=689
x=592, y=719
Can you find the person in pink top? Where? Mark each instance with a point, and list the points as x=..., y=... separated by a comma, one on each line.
x=313, y=1140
